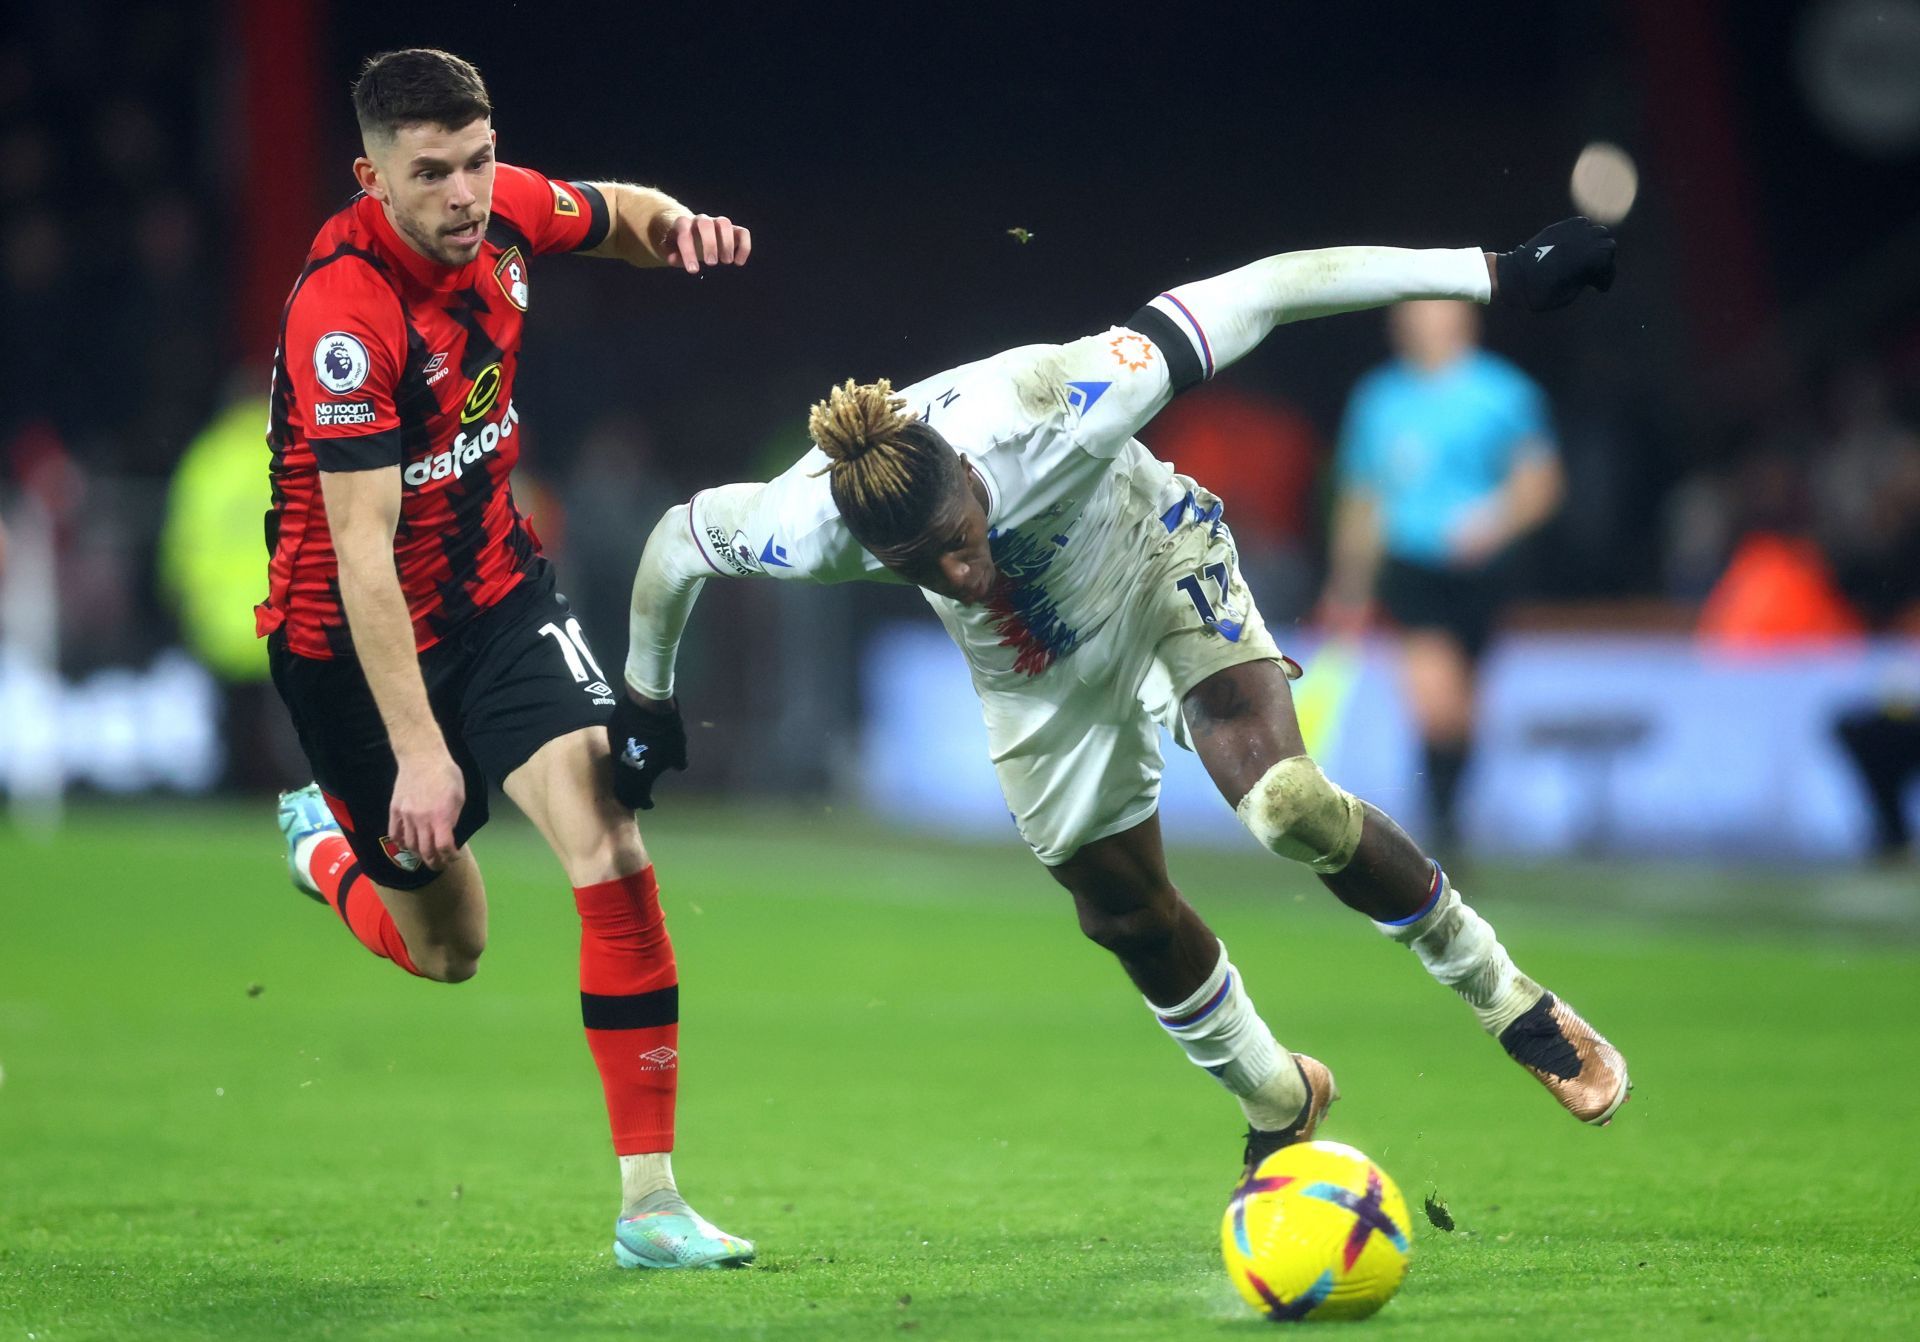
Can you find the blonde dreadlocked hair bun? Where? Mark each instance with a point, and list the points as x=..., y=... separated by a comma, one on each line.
x=890, y=471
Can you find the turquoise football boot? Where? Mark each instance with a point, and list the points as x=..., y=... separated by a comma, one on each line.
x=304, y=816
x=676, y=1236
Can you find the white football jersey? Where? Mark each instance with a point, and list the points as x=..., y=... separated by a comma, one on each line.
x=1075, y=502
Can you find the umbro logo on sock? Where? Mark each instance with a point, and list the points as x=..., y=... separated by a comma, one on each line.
x=1539, y=253
x=659, y=1059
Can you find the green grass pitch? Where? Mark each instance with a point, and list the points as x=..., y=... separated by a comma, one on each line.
x=938, y=1111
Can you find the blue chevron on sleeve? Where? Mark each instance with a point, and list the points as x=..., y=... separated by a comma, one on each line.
x=1082, y=395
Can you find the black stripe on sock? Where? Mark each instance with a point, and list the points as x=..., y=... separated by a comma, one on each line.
x=347, y=878
x=635, y=1011
x=1184, y=368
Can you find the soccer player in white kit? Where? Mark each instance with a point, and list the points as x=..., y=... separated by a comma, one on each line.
x=1095, y=594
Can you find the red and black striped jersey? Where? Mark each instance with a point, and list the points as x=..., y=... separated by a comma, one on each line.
x=388, y=358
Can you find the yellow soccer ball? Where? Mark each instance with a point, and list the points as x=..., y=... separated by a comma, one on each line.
x=1317, y=1232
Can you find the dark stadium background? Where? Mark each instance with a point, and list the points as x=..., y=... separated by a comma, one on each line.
x=163, y=167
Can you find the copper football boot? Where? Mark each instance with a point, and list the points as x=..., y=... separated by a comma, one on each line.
x=1570, y=1058
x=1322, y=1091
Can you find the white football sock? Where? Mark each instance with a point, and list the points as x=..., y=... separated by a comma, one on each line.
x=1219, y=1029
x=1459, y=949
x=303, y=854
x=646, y=1184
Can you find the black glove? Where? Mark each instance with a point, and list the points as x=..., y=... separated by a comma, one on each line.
x=645, y=744
x=1554, y=265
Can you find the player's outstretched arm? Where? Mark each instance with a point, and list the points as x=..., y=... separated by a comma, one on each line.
x=1223, y=318
x=1202, y=327
x=646, y=735
x=647, y=227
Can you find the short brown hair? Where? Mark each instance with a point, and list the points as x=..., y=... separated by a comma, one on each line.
x=418, y=86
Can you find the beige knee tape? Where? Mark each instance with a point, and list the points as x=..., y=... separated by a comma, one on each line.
x=1299, y=813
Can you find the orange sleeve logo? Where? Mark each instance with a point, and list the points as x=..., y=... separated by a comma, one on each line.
x=1131, y=351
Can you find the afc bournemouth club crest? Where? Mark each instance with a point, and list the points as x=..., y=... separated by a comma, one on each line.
x=511, y=271
x=404, y=858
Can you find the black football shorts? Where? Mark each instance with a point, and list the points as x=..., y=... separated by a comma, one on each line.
x=1464, y=602
x=511, y=679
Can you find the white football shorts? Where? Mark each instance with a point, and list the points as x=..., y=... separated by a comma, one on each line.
x=1077, y=749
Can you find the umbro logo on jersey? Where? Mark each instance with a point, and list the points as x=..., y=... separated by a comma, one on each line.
x=1540, y=253
x=436, y=368
x=775, y=554
x=600, y=692
x=563, y=201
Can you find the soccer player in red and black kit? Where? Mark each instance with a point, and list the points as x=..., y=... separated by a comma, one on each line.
x=415, y=631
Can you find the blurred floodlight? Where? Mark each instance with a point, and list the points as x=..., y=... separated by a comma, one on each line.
x=1604, y=182
x=1859, y=66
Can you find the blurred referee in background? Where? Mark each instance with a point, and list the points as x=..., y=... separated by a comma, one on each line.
x=1446, y=460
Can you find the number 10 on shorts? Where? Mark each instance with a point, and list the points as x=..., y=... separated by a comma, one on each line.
x=573, y=647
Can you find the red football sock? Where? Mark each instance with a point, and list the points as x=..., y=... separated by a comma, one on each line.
x=630, y=1005
x=351, y=895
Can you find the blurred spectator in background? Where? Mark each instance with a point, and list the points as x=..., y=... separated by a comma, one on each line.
x=1263, y=454
x=44, y=367
x=1778, y=591
x=1446, y=461
x=1778, y=588
x=210, y=548
x=1883, y=741
x=1867, y=497
x=615, y=489
x=163, y=312
x=113, y=290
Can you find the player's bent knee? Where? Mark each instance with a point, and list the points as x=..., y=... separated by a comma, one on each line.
x=1129, y=934
x=1299, y=813
x=453, y=961
x=627, y=853
x=445, y=964
x=606, y=853
x=458, y=969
